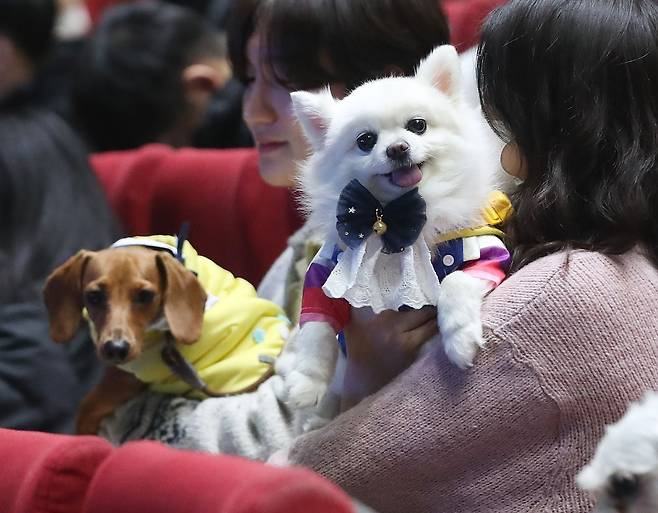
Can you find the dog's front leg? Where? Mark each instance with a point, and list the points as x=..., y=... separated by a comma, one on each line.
x=460, y=325
x=115, y=388
x=314, y=366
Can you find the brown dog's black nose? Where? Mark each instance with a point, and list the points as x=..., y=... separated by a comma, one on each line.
x=398, y=150
x=115, y=351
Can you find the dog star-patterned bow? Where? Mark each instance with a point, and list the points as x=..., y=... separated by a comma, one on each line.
x=359, y=214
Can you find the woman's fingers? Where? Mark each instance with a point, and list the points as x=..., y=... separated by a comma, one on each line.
x=413, y=339
x=412, y=319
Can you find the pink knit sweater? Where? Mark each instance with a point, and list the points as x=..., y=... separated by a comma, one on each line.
x=571, y=339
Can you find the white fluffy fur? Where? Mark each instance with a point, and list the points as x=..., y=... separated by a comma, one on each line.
x=458, y=175
x=628, y=450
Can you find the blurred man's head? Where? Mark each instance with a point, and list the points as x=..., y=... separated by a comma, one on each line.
x=147, y=75
x=26, y=32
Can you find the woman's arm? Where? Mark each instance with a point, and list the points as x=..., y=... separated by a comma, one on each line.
x=438, y=438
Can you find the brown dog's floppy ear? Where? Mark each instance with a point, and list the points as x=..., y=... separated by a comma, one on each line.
x=183, y=298
x=63, y=297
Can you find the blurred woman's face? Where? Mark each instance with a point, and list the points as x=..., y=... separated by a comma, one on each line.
x=267, y=111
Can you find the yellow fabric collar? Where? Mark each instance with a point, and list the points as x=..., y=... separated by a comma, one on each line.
x=241, y=333
x=496, y=213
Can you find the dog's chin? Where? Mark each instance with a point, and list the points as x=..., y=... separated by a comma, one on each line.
x=393, y=184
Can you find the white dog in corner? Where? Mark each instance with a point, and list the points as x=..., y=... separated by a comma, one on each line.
x=401, y=184
x=623, y=475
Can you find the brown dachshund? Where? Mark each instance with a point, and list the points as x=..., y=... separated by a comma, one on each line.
x=125, y=291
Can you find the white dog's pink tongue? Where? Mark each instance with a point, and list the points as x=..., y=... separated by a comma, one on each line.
x=406, y=176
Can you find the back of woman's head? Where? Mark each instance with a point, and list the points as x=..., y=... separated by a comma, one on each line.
x=51, y=204
x=29, y=24
x=315, y=42
x=574, y=83
x=129, y=88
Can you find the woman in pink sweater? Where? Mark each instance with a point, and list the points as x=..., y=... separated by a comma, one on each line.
x=571, y=335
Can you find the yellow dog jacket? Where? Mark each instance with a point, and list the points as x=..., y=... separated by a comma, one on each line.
x=241, y=334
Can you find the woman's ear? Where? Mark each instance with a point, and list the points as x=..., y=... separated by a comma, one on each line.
x=512, y=161
x=184, y=299
x=201, y=80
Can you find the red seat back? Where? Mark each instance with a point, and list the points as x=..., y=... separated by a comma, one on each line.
x=235, y=218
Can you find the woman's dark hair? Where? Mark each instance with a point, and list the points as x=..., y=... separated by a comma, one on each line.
x=129, y=89
x=51, y=204
x=314, y=42
x=574, y=83
x=29, y=24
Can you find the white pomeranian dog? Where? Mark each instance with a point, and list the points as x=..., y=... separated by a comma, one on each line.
x=400, y=186
x=623, y=474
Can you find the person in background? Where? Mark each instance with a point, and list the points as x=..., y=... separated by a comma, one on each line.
x=39, y=43
x=147, y=74
x=51, y=206
x=572, y=88
x=276, y=47
x=26, y=34
x=222, y=125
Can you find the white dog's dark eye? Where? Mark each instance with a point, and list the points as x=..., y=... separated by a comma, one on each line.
x=366, y=141
x=417, y=126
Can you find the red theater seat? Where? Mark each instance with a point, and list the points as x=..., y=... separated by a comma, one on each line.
x=43, y=472
x=235, y=218
x=465, y=18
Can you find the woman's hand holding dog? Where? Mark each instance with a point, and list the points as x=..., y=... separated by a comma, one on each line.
x=381, y=346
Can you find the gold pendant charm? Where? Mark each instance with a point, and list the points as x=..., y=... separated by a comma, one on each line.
x=380, y=226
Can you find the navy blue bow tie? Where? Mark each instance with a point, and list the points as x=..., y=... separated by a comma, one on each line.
x=359, y=214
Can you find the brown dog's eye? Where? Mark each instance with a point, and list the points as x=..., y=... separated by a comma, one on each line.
x=144, y=297
x=95, y=298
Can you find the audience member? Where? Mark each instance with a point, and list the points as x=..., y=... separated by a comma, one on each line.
x=147, y=75
x=50, y=207
x=572, y=86
x=26, y=30
x=223, y=126
x=277, y=47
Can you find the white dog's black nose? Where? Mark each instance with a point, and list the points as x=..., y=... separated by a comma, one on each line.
x=115, y=351
x=398, y=150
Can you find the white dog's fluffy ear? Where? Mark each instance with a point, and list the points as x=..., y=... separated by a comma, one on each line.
x=314, y=111
x=441, y=69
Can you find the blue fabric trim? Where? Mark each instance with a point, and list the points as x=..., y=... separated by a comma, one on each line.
x=453, y=248
x=335, y=254
x=342, y=344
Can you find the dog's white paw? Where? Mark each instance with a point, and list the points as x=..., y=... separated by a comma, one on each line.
x=314, y=422
x=303, y=390
x=459, y=317
x=279, y=458
x=461, y=346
